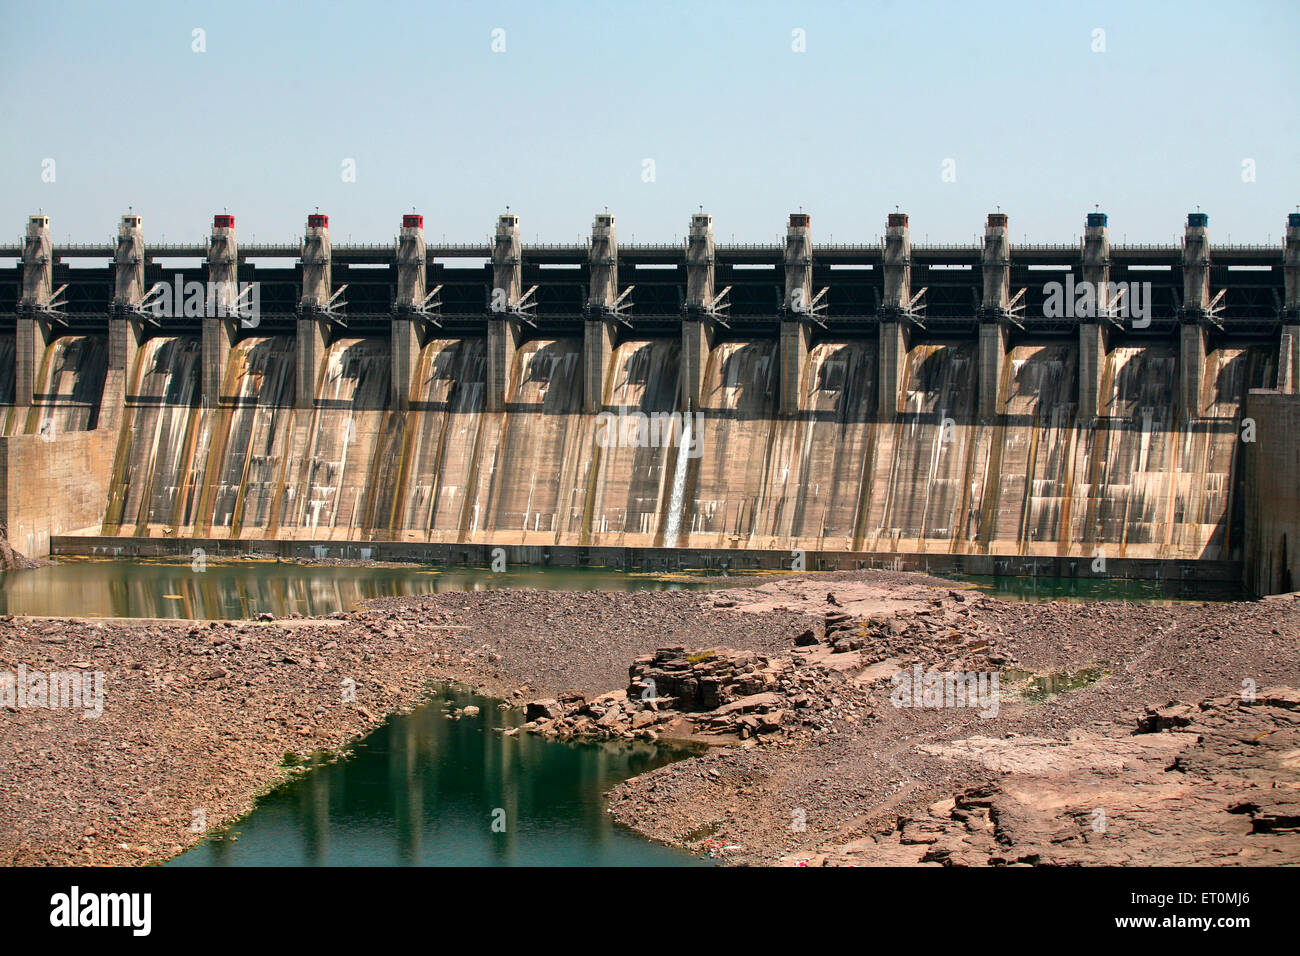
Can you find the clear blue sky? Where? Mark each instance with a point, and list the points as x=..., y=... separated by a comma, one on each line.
x=559, y=124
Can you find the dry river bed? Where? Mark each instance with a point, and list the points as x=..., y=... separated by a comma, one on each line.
x=1179, y=744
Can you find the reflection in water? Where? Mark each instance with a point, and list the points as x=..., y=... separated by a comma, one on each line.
x=424, y=790
x=241, y=589
x=1103, y=589
x=1037, y=688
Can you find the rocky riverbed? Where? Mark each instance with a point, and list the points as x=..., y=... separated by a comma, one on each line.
x=798, y=680
x=11, y=560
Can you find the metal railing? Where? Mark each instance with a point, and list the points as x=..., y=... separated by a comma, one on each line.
x=343, y=250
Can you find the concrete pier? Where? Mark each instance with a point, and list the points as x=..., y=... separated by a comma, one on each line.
x=219, y=336
x=896, y=261
x=220, y=325
x=697, y=323
x=793, y=347
x=701, y=263
x=317, y=258
x=600, y=331
x=697, y=342
x=32, y=333
x=795, y=335
x=995, y=262
x=1196, y=263
x=312, y=337
x=598, y=339
x=1288, y=360
x=996, y=265
x=1288, y=365
x=1093, y=341
x=602, y=259
x=125, y=336
x=312, y=334
x=503, y=331
x=893, y=357
x=128, y=265
x=1191, y=368
x=38, y=265
x=1093, y=335
x=412, y=263
x=503, y=339
x=406, y=345
x=405, y=329
x=312, y=330
x=992, y=361
x=126, y=332
x=1196, y=303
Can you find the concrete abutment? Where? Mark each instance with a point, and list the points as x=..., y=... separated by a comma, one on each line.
x=1271, y=563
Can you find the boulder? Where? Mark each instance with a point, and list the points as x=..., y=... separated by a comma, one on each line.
x=744, y=705
x=1168, y=717
x=546, y=708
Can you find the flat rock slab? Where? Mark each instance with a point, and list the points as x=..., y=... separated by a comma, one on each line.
x=1225, y=791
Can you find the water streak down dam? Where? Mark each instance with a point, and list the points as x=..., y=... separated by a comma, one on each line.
x=990, y=407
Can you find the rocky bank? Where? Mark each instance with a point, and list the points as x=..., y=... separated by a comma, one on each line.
x=793, y=678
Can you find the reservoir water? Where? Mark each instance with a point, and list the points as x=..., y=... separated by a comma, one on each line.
x=1105, y=589
x=97, y=587
x=426, y=790
x=88, y=587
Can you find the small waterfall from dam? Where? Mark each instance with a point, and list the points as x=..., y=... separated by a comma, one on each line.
x=934, y=478
x=677, y=499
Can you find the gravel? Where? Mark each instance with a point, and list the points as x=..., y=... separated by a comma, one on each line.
x=199, y=716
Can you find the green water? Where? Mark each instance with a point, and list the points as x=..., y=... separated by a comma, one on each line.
x=426, y=791
x=1103, y=589
x=1037, y=688
x=121, y=587
x=240, y=589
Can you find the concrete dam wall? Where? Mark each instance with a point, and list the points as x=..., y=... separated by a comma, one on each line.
x=836, y=476
x=70, y=385
x=854, y=402
x=53, y=447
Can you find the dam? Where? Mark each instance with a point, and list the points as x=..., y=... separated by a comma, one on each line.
x=1080, y=409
